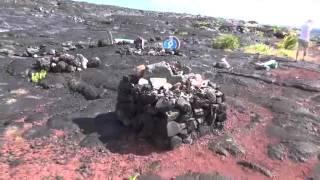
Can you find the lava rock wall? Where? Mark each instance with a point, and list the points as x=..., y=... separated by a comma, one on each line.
x=174, y=114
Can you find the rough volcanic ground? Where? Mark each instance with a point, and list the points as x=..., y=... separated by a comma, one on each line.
x=51, y=132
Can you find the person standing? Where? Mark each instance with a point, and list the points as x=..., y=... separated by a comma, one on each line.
x=304, y=39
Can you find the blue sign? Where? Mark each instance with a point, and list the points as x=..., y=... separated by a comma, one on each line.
x=171, y=43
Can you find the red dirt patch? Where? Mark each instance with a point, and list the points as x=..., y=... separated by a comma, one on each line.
x=295, y=74
x=50, y=159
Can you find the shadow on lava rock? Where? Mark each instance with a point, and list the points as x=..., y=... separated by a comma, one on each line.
x=106, y=131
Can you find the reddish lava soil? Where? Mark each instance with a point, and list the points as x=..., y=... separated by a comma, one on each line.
x=295, y=74
x=314, y=54
x=45, y=162
x=56, y=157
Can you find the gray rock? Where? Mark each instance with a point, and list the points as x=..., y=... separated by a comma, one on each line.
x=174, y=128
x=204, y=130
x=52, y=52
x=221, y=151
x=32, y=50
x=239, y=105
x=223, y=64
x=315, y=174
x=53, y=80
x=187, y=140
x=192, y=124
x=6, y=52
x=71, y=68
x=94, y=62
x=199, y=176
x=88, y=91
x=67, y=44
x=55, y=59
x=39, y=8
x=186, y=69
x=62, y=123
x=62, y=66
x=143, y=81
x=158, y=83
x=276, y=152
x=150, y=177
x=256, y=167
x=198, y=112
x=44, y=63
x=175, y=142
x=227, y=143
x=68, y=58
x=92, y=141
x=164, y=104
x=37, y=132
x=54, y=67
x=172, y=115
x=19, y=67
x=200, y=120
x=301, y=151
x=162, y=70
x=82, y=45
x=83, y=61
x=183, y=105
x=36, y=117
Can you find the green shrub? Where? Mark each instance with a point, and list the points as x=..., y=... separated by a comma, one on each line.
x=258, y=48
x=286, y=53
x=268, y=50
x=134, y=177
x=260, y=34
x=290, y=42
x=38, y=76
x=226, y=41
x=275, y=29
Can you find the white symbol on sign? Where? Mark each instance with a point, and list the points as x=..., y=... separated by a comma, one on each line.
x=170, y=44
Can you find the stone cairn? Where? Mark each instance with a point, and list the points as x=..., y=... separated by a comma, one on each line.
x=168, y=105
x=66, y=63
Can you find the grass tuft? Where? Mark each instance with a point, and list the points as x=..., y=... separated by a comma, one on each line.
x=226, y=41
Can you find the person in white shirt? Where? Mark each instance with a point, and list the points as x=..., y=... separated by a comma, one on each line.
x=304, y=39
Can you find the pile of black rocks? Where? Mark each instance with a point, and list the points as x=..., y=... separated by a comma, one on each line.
x=66, y=62
x=169, y=105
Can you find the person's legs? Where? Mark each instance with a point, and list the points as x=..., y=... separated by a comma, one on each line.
x=304, y=53
x=305, y=49
x=300, y=46
x=297, y=55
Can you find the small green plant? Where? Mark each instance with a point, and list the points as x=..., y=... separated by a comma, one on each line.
x=286, y=53
x=275, y=29
x=260, y=34
x=134, y=177
x=268, y=50
x=290, y=42
x=38, y=76
x=258, y=48
x=226, y=41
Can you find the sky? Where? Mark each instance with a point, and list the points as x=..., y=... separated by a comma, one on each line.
x=274, y=12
